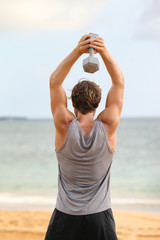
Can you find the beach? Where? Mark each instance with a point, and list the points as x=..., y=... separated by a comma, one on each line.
x=29, y=176
x=32, y=225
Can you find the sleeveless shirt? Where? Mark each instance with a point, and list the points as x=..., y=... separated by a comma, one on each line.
x=84, y=165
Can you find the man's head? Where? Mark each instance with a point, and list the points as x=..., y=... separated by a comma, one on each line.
x=86, y=96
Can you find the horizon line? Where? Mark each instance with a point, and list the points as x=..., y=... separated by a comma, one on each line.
x=24, y=118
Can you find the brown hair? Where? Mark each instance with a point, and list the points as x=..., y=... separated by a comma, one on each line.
x=86, y=96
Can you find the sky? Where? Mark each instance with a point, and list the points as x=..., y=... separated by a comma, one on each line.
x=36, y=35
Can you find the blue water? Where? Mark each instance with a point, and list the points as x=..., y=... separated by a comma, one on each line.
x=28, y=165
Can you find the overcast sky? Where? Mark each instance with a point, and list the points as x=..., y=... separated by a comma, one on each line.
x=36, y=35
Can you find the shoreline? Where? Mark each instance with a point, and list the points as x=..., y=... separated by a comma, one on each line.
x=32, y=224
x=10, y=201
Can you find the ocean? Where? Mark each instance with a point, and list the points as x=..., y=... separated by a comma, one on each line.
x=29, y=169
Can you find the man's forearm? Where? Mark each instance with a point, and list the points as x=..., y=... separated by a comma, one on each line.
x=63, y=68
x=113, y=68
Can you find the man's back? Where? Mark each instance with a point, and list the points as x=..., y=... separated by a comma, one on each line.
x=84, y=170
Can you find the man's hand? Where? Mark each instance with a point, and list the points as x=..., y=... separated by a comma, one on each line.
x=97, y=44
x=84, y=44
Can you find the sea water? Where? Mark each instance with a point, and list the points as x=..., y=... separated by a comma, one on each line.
x=29, y=169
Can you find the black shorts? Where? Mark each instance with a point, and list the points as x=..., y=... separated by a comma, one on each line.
x=97, y=226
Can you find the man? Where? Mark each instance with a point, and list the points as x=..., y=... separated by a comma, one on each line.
x=84, y=149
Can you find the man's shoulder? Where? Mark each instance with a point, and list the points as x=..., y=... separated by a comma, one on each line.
x=111, y=135
x=61, y=132
x=62, y=123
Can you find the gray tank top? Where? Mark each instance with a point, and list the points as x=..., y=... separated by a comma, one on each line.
x=84, y=171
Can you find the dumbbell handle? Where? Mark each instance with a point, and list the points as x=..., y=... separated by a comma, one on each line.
x=91, y=50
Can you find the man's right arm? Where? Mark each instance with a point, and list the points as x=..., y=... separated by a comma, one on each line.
x=111, y=114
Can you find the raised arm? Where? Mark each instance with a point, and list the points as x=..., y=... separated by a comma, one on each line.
x=61, y=114
x=111, y=114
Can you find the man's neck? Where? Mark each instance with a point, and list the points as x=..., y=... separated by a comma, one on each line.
x=83, y=118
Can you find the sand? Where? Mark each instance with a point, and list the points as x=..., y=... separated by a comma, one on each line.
x=32, y=225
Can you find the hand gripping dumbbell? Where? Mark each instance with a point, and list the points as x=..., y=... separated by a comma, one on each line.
x=91, y=64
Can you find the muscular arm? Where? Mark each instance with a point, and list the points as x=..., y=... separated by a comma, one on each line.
x=61, y=114
x=113, y=69
x=114, y=102
x=63, y=68
x=111, y=114
x=58, y=96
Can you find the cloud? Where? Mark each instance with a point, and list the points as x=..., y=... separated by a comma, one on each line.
x=35, y=15
x=149, y=25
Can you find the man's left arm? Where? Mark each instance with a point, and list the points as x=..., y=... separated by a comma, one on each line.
x=57, y=93
x=61, y=114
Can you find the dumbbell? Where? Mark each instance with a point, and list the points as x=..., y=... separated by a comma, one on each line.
x=91, y=64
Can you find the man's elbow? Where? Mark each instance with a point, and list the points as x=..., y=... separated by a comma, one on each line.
x=121, y=80
x=52, y=81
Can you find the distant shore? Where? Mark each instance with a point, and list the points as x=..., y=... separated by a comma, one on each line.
x=23, y=118
x=13, y=118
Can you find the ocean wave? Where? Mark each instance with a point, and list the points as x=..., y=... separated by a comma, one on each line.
x=10, y=198
x=135, y=201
